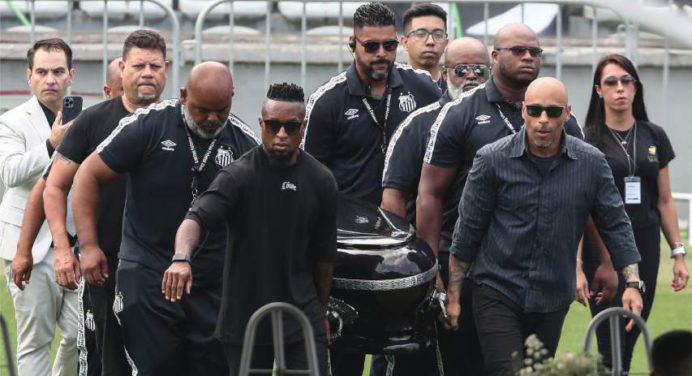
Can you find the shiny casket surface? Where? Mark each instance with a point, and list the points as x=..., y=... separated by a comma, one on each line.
x=383, y=283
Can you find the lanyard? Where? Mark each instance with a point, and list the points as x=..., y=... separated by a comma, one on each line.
x=631, y=162
x=197, y=167
x=507, y=122
x=386, y=116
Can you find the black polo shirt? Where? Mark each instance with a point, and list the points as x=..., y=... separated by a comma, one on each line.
x=153, y=148
x=404, y=158
x=342, y=131
x=478, y=117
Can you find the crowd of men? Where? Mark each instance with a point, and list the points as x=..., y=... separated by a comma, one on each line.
x=150, y=230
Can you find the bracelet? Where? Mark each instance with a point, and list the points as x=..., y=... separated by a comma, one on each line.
x=679, y=250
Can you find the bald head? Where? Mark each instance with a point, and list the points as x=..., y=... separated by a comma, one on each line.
x=547, y=87
x=211, y=77
x=207, y=98
x=114, y=80
x=510, y=32
x=466, y=50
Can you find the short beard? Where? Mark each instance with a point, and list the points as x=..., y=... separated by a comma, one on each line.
x=452, y=90
x=279, y=159
x=197, y=129
x=376, y=76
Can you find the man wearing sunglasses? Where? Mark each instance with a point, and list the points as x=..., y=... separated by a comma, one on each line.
x=425, y=38
x=352, y=118
x=466, y=66
x=171, y=152
x=525, y=206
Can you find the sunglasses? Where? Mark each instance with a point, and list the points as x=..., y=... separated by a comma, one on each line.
x=274, y=126
x=535, y=110
x=521, y=51
x=625, y=80
x=438, y=35
x=479, y=70
x=372, y=46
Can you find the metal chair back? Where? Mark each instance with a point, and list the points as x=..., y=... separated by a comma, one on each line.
x=276, y=310
x=614, y=315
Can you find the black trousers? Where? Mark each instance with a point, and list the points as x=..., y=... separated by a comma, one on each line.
x=648, y=243
x=108, y=337
x=460, y=350
x=263, y=356
x=89, y=356
x=503, y=327
x=165, y=338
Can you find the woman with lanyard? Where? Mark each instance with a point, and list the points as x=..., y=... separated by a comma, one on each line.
x=638, y=153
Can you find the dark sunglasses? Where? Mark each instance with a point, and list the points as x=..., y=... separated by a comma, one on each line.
x=479, y=70
x=520, y=51
x=626, y=80
x=371, y=46
x=535, y=110
x=438, y=35
x=274, y=126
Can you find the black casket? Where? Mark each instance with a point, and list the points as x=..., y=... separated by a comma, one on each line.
x=382, y=298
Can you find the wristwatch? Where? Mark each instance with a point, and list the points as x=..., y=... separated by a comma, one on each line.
x=678, y=250
x=181, y=257
x=639, y=285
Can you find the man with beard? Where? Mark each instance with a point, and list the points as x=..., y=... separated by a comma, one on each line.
x=287, y=199
x=476, y=118
x=141, y=72
x=466, y=66
x=425, y=37
x=352, y=117
x=522, y=213
x=171, y=151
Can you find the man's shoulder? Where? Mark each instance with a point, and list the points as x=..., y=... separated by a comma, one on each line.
x=14, y=114
x=466, y=104
x=583, y=149
x=499, y=147
x=316, y=167
x=238, y=124
x=163, y=108
x=334, y=86
x=408, y=71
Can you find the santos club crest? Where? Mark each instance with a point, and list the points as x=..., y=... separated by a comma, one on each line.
x=224, y=156
x=406, y=102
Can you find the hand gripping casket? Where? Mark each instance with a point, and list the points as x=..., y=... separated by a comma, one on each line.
x=382, y=297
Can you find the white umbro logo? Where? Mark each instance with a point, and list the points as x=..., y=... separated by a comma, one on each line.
x=351, y=113
x=483, y=119
x=168, y=145
x=288, y=186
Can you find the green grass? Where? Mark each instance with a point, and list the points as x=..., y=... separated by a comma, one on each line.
x=671, y=311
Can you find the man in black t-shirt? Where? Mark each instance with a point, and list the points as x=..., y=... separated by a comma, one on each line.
x=143, y=77
x=352, y=118
x=279, y=205
x=171, y=151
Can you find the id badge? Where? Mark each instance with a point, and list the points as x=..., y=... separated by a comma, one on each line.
x=633, y=190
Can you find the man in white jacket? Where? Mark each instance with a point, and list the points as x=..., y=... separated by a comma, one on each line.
x=29, y=134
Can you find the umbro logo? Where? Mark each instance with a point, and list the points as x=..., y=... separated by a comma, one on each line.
x=351, y=114
x=168, y=145
x=288, y=186
x=483, y=119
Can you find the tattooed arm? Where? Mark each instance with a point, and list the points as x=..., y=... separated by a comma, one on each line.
x=631, y=297
x=458, y=271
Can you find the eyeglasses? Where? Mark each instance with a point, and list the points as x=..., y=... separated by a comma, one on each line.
x=625, y=80
x=371, y=46
x=535, y=110
x=274, y=126
x=438, y=35
x=479, y=70
x=521, y=51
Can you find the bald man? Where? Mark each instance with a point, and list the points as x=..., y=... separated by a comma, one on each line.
x=170, y=153
x=525, y=207
x=467, y=65
x=114, y=80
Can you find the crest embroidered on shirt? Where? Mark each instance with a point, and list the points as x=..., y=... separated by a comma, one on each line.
x=224, y=156
x=168, y=145
x=351, y=114
x=407, y=102
x=653, y=155
x=288, y=186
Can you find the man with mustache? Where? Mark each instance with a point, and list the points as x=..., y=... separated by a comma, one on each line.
x=425, y=38
x=140, y=77
x=29, y=134
x=467, y=65
x=352, y=118
x=170, y=152
x=477, y=117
